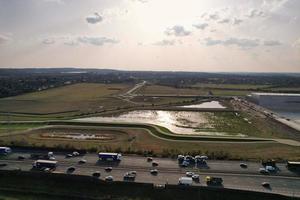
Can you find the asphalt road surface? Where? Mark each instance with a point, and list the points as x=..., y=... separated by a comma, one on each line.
x=283, y=182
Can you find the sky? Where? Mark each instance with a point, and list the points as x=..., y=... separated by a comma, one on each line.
x=172, y=35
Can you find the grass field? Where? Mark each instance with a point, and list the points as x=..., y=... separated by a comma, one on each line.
x=230, y=86
x=139, y=140
x=66, y=100
x=12, y=128
x=167, y=90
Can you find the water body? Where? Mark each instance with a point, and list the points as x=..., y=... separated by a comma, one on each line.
x=211, y=104
x=180, y=122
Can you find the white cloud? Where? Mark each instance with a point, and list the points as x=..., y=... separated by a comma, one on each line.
x=244, y=43
x=272, y=43
x=94, y=19
x=98, y=41
x=178, y=31
x=253, y=13
x=201, y=26
x=214, y=16
x=4, y=39
x=297, y=43
x=237, y=21
x=165, y=43
x=48, y=41
x=54, y=1
x=224, y=21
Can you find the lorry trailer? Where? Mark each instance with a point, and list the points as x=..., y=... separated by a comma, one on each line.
x=5, y=150
x=41, y=164
x=185, y=181
x=110, y=156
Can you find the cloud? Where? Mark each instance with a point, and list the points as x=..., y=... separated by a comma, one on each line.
x=165, y=43
x=224, y=21
x=297, y=43
x=243, y=43
x=201, y=26
x=272, y=43
x=54, y=1
x=4, y=39
x=255, y=13
x=177, y=30
x=98, y=41
x=48, y=41
x=214, y=16
x=237, y=21
x=94, y=19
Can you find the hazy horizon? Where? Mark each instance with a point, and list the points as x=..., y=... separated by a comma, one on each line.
x=258, y=36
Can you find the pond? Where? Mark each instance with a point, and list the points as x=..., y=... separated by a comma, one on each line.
x=179, y=122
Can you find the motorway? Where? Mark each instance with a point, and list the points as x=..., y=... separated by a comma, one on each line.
x=283, y=182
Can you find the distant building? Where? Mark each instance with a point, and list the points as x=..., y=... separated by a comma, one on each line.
x=277, y=101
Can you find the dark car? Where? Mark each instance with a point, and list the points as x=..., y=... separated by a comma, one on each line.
x=154, y=164
x=82, y=161
x=149, y=159
x=21, y=157
x=69, y=155
x=108, y=169
x=154, y=171
x=243, y=165
x=129, y=176
x=96, y=174
x=71, y=169
x=266, y=184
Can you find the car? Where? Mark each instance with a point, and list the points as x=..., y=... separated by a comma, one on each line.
x=204, y=157
x=149, y=159
x=189, y=174
x=69, y=155
x=129, y=176
x=48, y=170
x=82, y=161
x=51, y=158
x=21, y=157
x=189, y=159
x=154, y=171
x=108, y=169
x=3, y=164
x=180, y=158
x=71, y=169
x=270, y=168
x=266, y=184
x=75, y=153
x=264, y=171
x=154, y=164
x=243, y=165
x=109, y=178
x=132, y=172
x=196, y=177
x=96, y=174
x=185, y=164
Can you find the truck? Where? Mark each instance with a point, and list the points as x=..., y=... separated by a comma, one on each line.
x=185, y=181
x=213, y=180
x=109, y=156
x=5, y=150
x=292, y=165
x=43, y=164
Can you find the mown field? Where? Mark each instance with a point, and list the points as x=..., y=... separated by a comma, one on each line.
x=66, y=100
x=167, y=90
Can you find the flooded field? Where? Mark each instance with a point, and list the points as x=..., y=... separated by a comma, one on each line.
x=180, y=122
x=210, y=104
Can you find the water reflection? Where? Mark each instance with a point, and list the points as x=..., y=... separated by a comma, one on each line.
x=180, y=122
